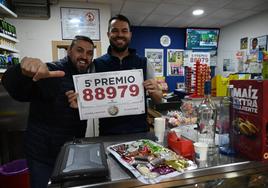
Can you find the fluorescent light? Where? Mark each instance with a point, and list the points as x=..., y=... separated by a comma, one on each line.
x=198, y=12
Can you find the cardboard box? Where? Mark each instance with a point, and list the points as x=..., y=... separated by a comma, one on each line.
x=249, y=117
x=219, y=86
x=219, y=83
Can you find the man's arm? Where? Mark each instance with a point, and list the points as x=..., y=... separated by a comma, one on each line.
x=21, y=80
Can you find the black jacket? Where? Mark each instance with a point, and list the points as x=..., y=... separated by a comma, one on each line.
x=122, y=124
x=51, y=121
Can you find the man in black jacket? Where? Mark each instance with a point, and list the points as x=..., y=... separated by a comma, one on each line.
x=51, y=121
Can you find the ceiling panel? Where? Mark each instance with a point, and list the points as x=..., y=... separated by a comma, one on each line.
x=138, y=7
x=178, y=13
x=161, y=20
x=170, y=9
x=244, y=4
x=181, y=2
x=225, y=13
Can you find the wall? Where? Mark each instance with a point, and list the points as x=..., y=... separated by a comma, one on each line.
x=35, y=36
x=229, y=41
x=149, y=37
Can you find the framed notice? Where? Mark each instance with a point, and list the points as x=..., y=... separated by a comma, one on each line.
x=156, y=58
x=79, y=21
x=175, y=62
x=244, y=43
x=110, y=94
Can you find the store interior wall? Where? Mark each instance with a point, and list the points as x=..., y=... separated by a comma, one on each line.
x=229, y=40
x=35, y=36
x=149, y=37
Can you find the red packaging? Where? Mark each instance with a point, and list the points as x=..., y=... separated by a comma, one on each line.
x=249, y=117
x=181, y=146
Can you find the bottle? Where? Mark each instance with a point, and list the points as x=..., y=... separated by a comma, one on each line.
x=225, y=145
x=207, y=116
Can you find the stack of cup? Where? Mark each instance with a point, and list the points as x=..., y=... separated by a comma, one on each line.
x=159, y=128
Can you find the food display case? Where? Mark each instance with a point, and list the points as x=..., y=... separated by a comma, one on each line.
x=218, y=171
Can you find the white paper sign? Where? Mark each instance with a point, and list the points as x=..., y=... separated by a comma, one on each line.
x=110, y=94
x=203, y=57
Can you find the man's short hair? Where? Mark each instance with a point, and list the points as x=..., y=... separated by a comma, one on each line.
x=80, y=37
x=119, y=17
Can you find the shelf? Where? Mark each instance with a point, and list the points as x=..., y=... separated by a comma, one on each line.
x=2, y=70
x=9, y=38
x=4, y=11
x=9, y=49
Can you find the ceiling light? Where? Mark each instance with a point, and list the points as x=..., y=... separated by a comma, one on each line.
x=198, y=12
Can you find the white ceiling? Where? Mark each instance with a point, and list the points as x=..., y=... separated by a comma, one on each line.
x=178, y=13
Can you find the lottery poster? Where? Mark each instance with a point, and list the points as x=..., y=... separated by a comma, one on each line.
x=110, y=94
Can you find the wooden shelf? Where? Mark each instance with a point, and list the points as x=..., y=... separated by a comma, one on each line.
x=4, y=11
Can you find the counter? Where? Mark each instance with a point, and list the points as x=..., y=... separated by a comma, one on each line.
x=217, y=171
x=13, y=122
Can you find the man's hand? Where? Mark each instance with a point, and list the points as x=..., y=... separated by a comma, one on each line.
x=35, y=68
x=154, y=92
x=72, y=98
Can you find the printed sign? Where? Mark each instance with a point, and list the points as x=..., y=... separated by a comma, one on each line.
x=110, y=94
x=203, y=57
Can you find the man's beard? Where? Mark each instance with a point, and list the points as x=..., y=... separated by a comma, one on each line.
x=117, y=48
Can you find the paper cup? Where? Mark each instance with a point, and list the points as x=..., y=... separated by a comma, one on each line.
x=201, y=151
x=159, y=128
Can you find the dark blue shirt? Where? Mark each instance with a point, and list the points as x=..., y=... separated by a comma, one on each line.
x=122, y=124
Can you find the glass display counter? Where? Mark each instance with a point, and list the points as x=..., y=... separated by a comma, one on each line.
x=218, y=171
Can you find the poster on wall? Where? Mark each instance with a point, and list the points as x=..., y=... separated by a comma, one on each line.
x=228, y=65
x=80, y=21
x=192, y=57
x=156, y=58
x=261, y=42
x=244, y=43
x=175, y=62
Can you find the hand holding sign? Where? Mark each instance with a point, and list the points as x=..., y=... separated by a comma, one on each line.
x=110, y=93
x=72, y=98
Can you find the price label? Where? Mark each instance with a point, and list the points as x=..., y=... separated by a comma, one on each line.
x=110, y=94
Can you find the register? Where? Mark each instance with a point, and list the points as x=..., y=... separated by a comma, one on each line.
x=80, y=161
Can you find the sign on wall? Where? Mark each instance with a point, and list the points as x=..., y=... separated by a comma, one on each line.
x=110, y=94
x=192, y=57
x=156, y=58
x=175, y=62
x=79, y=21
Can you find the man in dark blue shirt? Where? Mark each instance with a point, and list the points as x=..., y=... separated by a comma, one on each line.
x=121, y=57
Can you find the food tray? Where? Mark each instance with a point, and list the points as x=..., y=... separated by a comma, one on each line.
x=150, y=162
